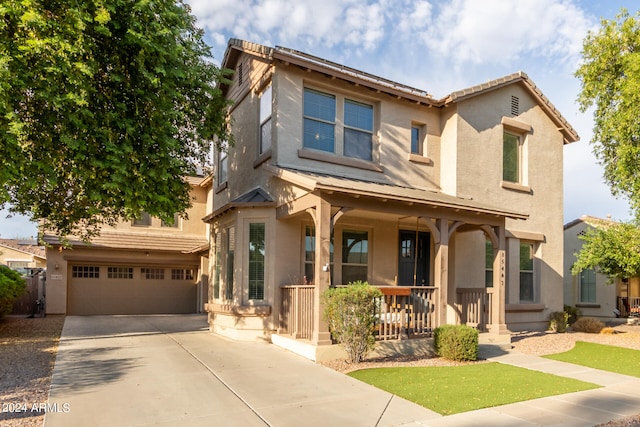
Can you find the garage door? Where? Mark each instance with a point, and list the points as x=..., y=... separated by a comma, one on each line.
x=101, y=289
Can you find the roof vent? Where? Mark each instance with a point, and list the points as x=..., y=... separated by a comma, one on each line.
x=515, y=105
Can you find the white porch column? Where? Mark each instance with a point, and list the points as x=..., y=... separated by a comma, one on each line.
x=322, y=275
x=498, y=323
x=441, y=272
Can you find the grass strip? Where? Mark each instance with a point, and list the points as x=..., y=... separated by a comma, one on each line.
x=605, y=357
x=453, y=389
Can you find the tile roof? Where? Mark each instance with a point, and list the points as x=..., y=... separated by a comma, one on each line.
x=397, y=89
x=313, y=181
x=27, y=246
x=137, y=241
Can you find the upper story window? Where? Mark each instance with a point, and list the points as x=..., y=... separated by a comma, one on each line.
x=144, y=220
x=511, y=158
x=265, y=120
x=415, y=140
x=174, y=224
x=223, y=164
x=358, y=130
x=323, y=128
x=319, y=120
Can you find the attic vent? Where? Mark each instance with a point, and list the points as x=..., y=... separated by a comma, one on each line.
x=240, y=76
x=515, y=105
x=582, y=233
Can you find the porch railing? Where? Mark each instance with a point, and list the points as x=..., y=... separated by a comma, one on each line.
x=403, y=312
x=629, y=306
x=296, y=314
x=474, y=306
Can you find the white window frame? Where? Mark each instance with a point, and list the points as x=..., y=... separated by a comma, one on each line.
x=266, y=112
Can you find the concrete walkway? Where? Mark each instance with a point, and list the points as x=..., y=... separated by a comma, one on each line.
x=169, y=370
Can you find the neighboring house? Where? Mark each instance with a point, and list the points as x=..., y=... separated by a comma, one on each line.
x=453, y=205
x=22, y=255
x=137, y=267
x=595, y=294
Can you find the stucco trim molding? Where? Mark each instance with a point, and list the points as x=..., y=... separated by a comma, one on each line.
x=338, y=160
x=515, y=187
x=417, y=158
x=526, y=235
x=239, y=310
x=523, y=308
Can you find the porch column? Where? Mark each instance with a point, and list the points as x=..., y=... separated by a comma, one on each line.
x=498, y=323
x=321, y=274
x=441, y=272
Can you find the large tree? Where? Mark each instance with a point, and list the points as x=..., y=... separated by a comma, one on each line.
x=610, y=78
x=105, y=105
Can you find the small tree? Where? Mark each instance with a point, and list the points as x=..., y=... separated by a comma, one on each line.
x=611, y=249
x=350, y=313
x=12, y=285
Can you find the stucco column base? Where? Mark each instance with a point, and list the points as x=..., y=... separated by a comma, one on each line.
x=322, y=338
x=499, y=329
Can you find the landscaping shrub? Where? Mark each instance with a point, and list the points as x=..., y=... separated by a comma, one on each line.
x=456, y=342
x=573, y=312
x=558, y=321
x=350, y=313
x=588, y=325
x=12, y=285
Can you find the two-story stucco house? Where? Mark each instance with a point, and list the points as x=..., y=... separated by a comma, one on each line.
x=144, y=266
x=595, y=294
x=453, y=206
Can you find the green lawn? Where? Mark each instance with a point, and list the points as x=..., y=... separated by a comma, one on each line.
x=452, y=389
x=606, y=357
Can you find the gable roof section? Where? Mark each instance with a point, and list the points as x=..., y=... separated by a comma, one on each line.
x=252, y=199
x=379, y=84
x=570, y=135
x=27, y=247
x=313, y=181
x=589, y=220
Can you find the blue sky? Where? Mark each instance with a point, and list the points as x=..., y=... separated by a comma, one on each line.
x=439, y=47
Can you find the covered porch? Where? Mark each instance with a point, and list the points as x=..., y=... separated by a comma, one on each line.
x=438, y=259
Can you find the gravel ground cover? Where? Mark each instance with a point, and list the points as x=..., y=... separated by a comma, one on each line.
x=28, y=349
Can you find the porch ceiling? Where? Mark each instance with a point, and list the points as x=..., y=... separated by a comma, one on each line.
x=386, y=191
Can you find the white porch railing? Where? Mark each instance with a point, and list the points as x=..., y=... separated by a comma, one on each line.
x=629, y=306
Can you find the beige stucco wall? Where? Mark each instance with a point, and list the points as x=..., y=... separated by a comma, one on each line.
x=479, y=158
x=9, y=254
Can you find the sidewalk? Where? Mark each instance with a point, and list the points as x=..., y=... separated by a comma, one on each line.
x=169, y=370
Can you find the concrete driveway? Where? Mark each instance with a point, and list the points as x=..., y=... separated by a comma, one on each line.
x=169, y=370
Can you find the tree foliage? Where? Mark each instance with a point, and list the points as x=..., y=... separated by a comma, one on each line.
x=612, y=249
x=12, y=285
x=105, y=105
x=610, y=79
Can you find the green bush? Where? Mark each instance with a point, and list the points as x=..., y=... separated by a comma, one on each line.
x=12, y=285
x=559, y=321
x=573, y=312
x=456, y=342
x=350, y=313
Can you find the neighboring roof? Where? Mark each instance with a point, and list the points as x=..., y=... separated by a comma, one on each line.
x=590, y=220
x=137, y=241
x=310, y=62
x=254, y=198
x=30, y=247
x=315, y=181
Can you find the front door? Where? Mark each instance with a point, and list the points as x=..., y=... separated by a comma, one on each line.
x=413, y=258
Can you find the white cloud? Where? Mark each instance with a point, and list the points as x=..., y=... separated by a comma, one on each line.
x=498, y=31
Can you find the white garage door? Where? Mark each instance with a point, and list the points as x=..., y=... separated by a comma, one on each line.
x=103, y=289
